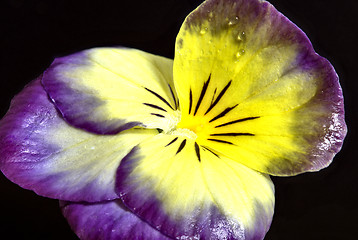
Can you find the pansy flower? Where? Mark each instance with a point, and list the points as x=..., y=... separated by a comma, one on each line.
x=138, y=146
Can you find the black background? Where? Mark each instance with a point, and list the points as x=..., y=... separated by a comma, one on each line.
x=310, y=206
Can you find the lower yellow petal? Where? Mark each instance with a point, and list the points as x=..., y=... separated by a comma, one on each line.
x=189, y=191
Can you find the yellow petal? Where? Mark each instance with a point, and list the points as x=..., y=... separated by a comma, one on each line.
x=108, y=90
x=189, y=192
x=252, y=88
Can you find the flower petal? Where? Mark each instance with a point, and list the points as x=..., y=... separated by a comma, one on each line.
x=108, y=90
x=251, y=87
x=107, y=221
x=41, y=152
x=189, y=192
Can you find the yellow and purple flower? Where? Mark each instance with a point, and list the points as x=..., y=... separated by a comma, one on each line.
x=138, y=146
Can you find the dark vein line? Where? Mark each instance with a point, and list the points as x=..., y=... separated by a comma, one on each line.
x=197, y=150
x=232, y=134
x=221, y=94
x=190, y=100
x=223, y=113
x=236, y=121
x=220, y=141
x=172, y=141
x=182, y=145
x=157, y=115
x=202, y=94
x=154, y=106
x=158, y=96
x=212, y=100
x=175, y=100
x=211, y=151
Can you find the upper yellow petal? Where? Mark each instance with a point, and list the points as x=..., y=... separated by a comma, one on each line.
x=252, y=88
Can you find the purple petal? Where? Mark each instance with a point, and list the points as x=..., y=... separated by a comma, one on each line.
x=41, y=152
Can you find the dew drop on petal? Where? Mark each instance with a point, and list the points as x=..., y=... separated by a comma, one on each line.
x=211, y=15
x=239, y=54
x=203, y=31
x=241, y=37
x=233, y=21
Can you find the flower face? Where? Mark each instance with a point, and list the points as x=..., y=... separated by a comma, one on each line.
x=142, y=147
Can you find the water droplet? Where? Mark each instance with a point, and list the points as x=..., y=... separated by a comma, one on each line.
x=203, y=31
x=241, y=36
x=240, y=53
x=211, y=15
x=233, y=21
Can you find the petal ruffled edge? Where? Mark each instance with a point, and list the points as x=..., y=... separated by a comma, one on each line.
x=107, y=221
